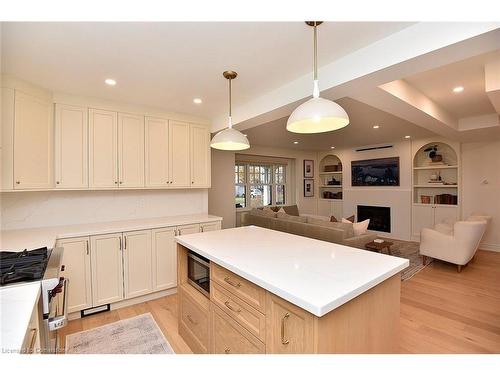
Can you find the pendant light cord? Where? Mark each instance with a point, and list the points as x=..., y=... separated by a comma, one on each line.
x=230, y=100
x=315, y=51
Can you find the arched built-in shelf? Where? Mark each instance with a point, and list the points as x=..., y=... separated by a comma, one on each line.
x=330, y=178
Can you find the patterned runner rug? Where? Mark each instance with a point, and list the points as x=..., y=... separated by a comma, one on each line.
x=137, y=335
x=408, y=250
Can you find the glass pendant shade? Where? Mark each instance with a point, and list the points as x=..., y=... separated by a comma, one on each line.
x=229, y=140
x=317, y=115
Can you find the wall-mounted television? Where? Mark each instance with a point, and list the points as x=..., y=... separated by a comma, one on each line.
x=375, y=172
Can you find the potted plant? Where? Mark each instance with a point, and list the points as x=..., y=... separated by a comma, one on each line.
x=433, y=155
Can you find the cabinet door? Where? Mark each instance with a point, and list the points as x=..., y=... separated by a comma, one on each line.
x=208, y=227
x=157, y=153
x=423, y=217
x=200, y=156
x=137, y=263
x=103, y=152
x=164, y=258
x=33, y=142
x=179, y=154
x=107, y=268
x=71, y=147
x=76, y=260
x=445, y=214
x=130, y=150
x=188, y=229
x=289, y=329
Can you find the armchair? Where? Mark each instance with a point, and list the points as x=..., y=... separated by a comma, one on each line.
x=457, y=246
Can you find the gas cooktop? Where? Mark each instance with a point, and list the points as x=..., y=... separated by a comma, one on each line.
x=27, y=265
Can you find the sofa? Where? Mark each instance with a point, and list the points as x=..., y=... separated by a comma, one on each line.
x=308, y=226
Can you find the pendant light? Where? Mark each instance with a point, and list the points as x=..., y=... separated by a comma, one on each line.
x=317, y=115
x=230, y=139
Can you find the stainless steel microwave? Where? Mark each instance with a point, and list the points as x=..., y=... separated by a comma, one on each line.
x=199, y=272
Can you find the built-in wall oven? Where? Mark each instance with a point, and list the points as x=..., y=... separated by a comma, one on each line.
x=199, y=272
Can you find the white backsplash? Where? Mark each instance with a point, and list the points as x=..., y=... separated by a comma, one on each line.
x=52, y=208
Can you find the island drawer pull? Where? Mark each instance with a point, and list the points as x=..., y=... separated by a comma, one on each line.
x=228, y=305
x=33, y=340
x=232, y=283
x=191, y=319
x=283, y=341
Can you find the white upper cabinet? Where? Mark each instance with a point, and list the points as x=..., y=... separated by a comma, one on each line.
x=130, y=150
x=71, y=147
x=200, y=156
x=157, y=173
x=103, y=153
x=179, y=154
x=33, y=143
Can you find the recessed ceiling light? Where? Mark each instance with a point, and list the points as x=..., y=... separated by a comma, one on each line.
x=376, y=126
x=407, y=136
x=197, y=101
x=295, y=143
x=110, y=81
x=332, y=147
x=458, y=89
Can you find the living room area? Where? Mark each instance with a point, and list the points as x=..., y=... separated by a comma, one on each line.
x=415, y=175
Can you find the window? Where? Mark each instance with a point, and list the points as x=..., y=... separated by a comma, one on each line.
x=259, y=184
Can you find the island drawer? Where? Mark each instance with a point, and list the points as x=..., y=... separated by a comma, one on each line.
x=231, y=338
x=250, y=293
x=242, y=312
x=194, y=323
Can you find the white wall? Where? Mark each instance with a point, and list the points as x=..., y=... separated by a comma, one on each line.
x=398, y=198
x=480, y=164
x=221, y=194
x=51, y=208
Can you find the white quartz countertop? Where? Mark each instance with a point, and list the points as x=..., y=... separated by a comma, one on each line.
x=16, y=306
x=315, y=275
x=32, y=238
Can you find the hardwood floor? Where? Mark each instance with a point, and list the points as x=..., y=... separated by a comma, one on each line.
x=442, y=311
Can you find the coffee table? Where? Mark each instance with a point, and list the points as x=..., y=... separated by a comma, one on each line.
x=379, y=247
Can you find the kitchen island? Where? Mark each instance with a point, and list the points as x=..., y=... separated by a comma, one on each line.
x=274, y=292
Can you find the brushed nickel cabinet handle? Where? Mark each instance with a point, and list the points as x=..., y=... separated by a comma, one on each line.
x=116, y=182
x=191, y=319
x=283, y=320
x=232, y=283
x=227, y=350
x=120, y=243
x=121, y=182
x=18, y=182
x=179, y=232
x=125, y=245
x=87, y=246
x=228, y=305
x=201, y=228
x=57, y=182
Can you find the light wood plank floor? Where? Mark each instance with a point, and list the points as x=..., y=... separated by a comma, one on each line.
x=442, y=311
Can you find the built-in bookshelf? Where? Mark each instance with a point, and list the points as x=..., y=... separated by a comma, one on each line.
x=330, y=178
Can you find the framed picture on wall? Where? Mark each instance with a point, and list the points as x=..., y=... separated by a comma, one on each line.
x=308, y=188
x=308, y=168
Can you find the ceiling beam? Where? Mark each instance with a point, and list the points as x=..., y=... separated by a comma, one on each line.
x=492, y=83
x=420, y=47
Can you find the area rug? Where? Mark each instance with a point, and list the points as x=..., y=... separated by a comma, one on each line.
x=408, y=250
x=137, y=335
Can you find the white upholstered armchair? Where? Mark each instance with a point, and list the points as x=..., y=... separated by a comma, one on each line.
x=456, y=244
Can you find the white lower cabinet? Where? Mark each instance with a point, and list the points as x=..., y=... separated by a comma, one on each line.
x=427, y=216
x=77, y=269
x=107, y=268
x=164, y=258
x=137, y=260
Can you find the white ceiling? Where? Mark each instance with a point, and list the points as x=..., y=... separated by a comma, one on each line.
x=166, y=65
x=437, y=84
x=359, y=132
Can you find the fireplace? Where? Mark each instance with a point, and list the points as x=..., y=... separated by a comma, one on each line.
x=380, y=217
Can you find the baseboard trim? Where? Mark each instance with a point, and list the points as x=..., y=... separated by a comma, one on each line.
x=131, y=301
x=490, y=247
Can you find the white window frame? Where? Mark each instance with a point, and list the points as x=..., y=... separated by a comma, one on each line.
x=273, y=184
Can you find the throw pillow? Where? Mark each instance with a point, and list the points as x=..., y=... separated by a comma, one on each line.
x=350, y=219
x=359, y=228
x=281, y=210
x=268, y=209
x=258, y=212
x=333, y=219
x=292, y=210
